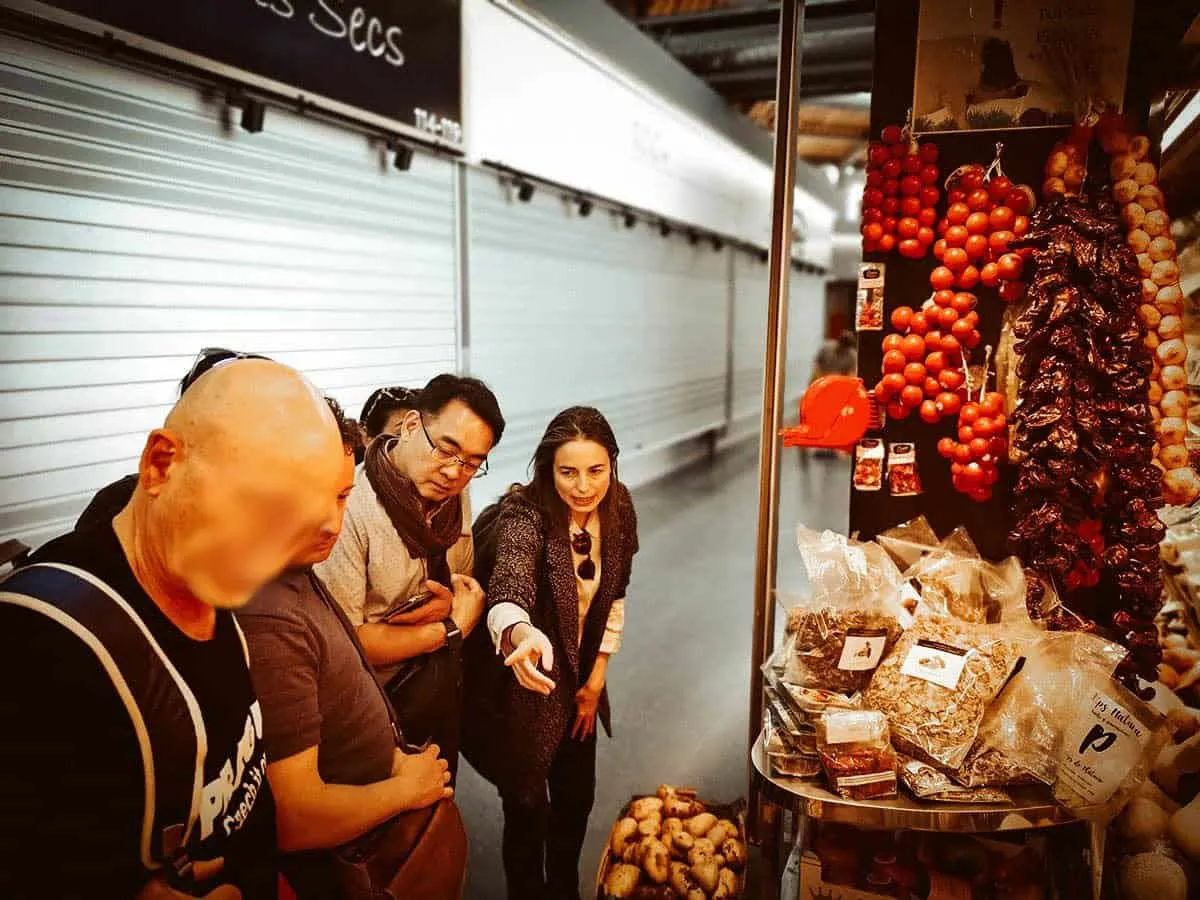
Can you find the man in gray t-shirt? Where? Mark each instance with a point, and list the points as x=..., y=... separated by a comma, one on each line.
x=332, y=757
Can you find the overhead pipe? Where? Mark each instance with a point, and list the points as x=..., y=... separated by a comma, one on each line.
x=787, y=93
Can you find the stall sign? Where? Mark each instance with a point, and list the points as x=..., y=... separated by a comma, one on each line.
x=1008, y=64
x=398, y=59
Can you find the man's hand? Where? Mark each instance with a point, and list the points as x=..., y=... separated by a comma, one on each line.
x=436, y=610
x=533, y=648
x=424, y=778
x=586, y=702
x=467, y=609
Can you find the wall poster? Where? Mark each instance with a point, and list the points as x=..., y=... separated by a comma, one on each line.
x=989, y=64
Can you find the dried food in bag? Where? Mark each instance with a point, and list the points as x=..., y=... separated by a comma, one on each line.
x=1108, y=747
x=869, y=311
x=925, y=782
x=841, y=631
x=857, y=754
x=1019, y=739
x=937, y=683
x=909, y=541
x=903, y=480
x=868, y=465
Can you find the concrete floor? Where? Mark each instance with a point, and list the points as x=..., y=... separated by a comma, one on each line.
x=680, y=685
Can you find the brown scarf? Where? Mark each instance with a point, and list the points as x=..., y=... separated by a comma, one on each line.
x=425, y=539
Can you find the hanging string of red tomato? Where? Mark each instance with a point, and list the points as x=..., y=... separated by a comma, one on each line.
x=985, y=212
x=925, y=358
x=901, y=195
x=982, y=443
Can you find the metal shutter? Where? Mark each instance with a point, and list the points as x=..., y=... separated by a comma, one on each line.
x=806, y=306
x=749, y=340
x=566, y=310
x=137, y=226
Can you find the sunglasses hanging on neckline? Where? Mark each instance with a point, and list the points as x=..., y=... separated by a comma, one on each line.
x=581, y=543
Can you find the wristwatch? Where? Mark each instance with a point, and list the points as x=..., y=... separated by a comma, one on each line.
x=454, y=635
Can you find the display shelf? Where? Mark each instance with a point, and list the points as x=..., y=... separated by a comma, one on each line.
x=1032, y=808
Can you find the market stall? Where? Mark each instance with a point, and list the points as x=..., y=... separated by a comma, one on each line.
x=983, y=694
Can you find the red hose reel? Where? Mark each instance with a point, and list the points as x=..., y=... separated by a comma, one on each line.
x=835, y=412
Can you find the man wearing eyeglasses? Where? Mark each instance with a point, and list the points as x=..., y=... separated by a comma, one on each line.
x=401, y=568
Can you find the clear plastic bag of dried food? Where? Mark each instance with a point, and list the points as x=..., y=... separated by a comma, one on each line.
x=857, y=754
x=840, y=631
x=909, y=541
x=968, y=587
x=1020, y=737
x=1110, y=740
x=939, y=680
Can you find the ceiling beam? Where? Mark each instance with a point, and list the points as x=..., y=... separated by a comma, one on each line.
x=817, y=17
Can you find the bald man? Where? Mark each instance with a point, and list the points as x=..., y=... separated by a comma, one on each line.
x=246, y=470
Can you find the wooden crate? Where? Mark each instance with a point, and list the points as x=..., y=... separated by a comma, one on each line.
x=735, y=812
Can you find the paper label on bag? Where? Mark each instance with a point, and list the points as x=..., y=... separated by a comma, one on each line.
x=935, y=662
x=1102, y=744
x=847, y=781
x=863, y=649
x=850, y=728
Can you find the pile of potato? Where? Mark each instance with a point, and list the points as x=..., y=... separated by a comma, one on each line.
x=1135, y=187
x=671, y=846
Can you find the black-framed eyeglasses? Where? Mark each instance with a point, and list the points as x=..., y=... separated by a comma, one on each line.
x=208, y=359
x=444, y=456
x=581, y=543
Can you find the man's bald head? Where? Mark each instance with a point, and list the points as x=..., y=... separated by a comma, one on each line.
x=245, y=470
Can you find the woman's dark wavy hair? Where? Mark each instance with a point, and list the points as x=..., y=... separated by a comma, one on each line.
x=577, y=423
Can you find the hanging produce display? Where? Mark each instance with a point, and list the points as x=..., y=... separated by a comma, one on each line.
x=982, y=443
x=922, y=357
x=985, y=212
x=901, y=195
x=1143, y=209
x=1087, y=491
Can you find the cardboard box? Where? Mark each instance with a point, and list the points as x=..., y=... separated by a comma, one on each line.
x=813, y=888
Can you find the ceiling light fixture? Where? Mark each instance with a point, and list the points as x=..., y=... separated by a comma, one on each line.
x=253, y=114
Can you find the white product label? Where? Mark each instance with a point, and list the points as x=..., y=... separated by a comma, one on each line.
x=847, y=781
x=1100, y=747
x=850, y=728
x=863, y=649
x=871, y=275
x=936, y=663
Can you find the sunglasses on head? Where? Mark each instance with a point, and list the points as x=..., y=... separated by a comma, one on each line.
x=401, y=396
x=581, y=543
x=208, y=359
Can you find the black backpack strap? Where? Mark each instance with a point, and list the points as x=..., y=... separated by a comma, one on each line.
x=164, y=713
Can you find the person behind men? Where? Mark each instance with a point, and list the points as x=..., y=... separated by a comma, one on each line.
x=560, y=552
x=220, y=508
x=407, y=532
x=385, y=410
x=332, y=757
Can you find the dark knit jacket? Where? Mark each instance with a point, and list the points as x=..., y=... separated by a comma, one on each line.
x=511, y=734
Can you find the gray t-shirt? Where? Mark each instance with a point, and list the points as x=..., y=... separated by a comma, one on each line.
x=314, y=686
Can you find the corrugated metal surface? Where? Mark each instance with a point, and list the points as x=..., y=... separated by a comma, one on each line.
x=749, y=336
x=571, y=310
x=806, y=329
x=137, y=226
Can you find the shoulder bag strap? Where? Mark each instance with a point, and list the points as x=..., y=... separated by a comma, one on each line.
x=323, y=592
x=164, y=713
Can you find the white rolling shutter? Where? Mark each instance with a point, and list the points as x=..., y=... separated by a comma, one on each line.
x=567, y=310
x=749, y=340
x=806, y=327
x=138, y=225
